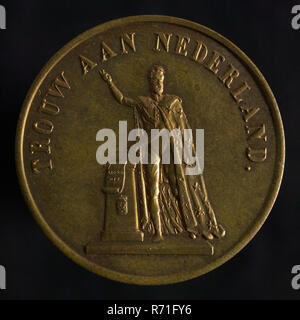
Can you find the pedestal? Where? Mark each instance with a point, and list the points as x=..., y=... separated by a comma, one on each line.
x=121, y=214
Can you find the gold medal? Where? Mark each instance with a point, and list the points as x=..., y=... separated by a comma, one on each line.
x=150, y=150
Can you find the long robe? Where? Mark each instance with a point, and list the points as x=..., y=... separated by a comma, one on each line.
x=188, y=207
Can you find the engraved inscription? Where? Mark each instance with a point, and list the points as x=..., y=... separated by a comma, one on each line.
x=49, y=108
x=229, y=76
x=236, y=93
x=86, y=64
x=37, y=165
x=257, y=155
x=182, y=43
x=257, y=132
x=128, y=39
x=248, y=112
x=257, y=137
x=56, y=87
x=214, y=61
x=106, y=52
x=37, y=146
x=200, y=52
x=43, y=127
x=164, y=39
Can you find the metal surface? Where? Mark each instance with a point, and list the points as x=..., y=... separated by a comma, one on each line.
x=151, y=223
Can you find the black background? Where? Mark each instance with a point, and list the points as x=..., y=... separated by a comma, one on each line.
x=36, y=269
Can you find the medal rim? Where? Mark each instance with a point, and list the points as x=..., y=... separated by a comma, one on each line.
x=262, y=215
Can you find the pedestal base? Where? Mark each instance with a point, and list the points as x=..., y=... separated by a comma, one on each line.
x=165, y=247
x=108, y=236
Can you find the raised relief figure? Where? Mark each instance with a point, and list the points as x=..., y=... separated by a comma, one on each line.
x=170, y=202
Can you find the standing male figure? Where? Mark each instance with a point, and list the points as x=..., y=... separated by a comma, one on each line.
x=188, y=193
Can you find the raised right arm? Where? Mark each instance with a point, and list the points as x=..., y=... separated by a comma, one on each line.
x=116, y=92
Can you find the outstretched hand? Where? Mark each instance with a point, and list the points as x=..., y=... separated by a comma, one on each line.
x=106, y=76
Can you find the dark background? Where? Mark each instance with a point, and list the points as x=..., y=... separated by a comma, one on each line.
x=36, y=269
